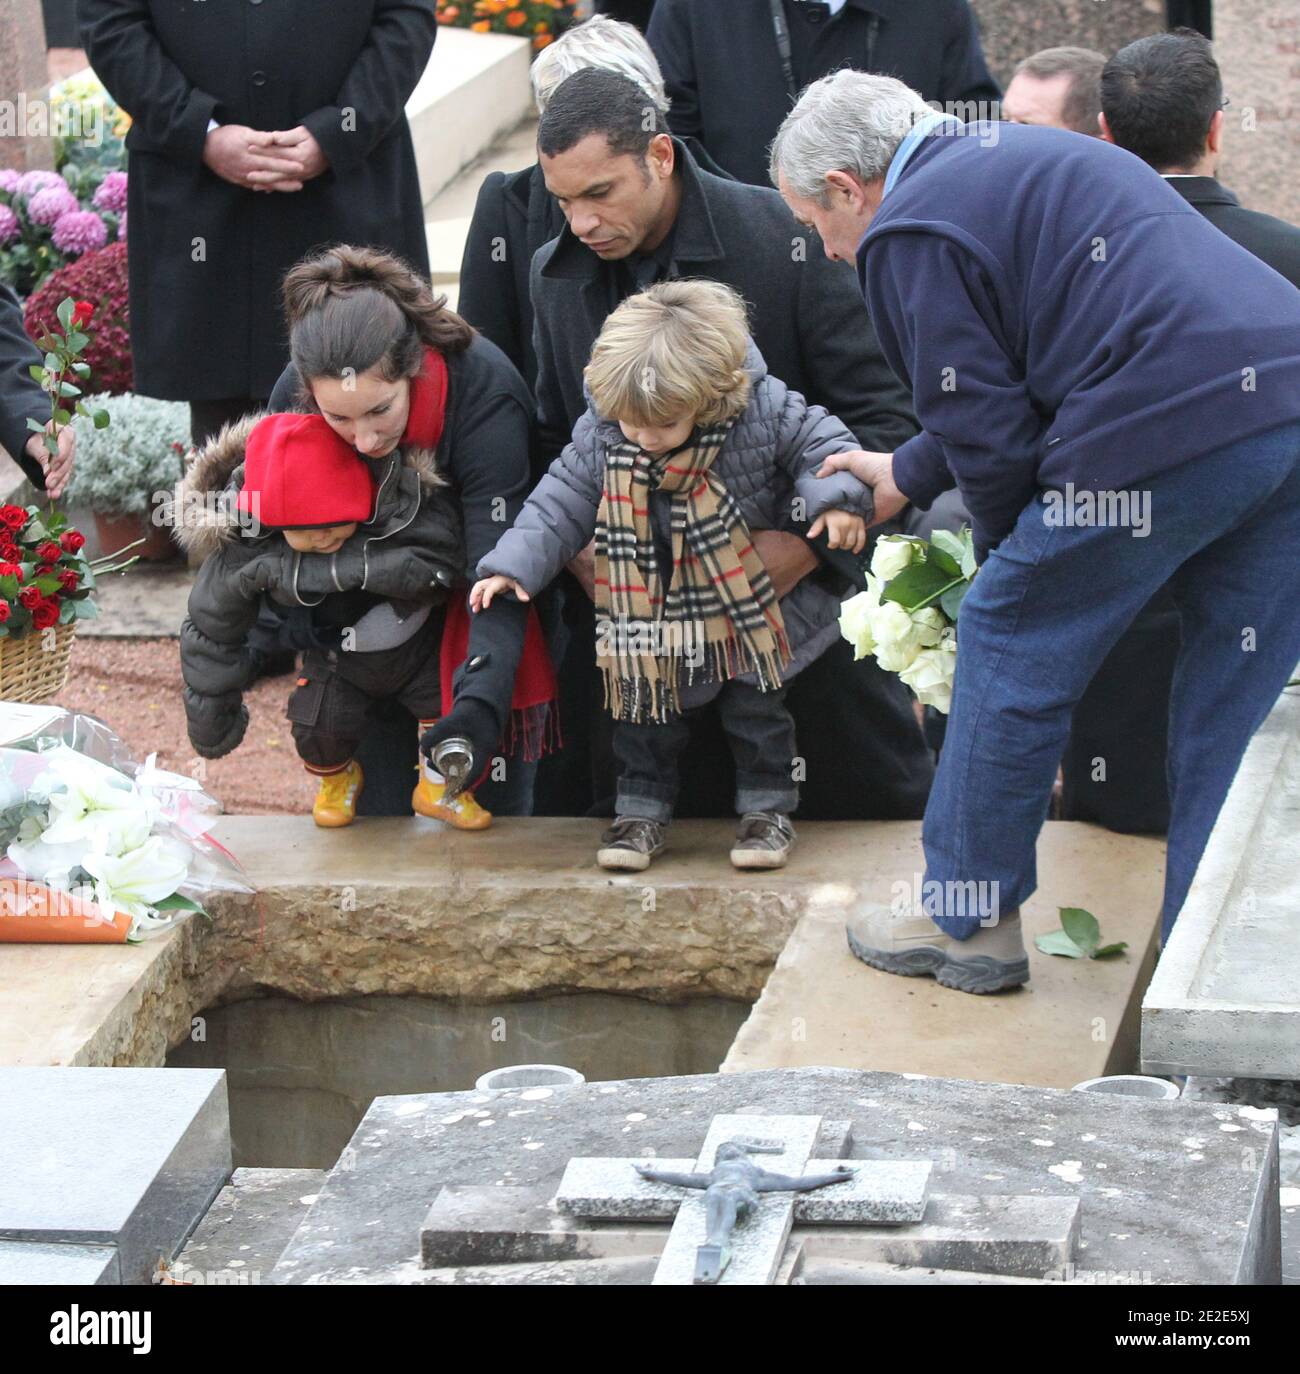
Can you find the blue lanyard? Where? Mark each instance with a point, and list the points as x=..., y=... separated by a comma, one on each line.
x=910, y=144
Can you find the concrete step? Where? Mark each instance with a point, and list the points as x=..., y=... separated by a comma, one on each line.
x=1076, y=1019
x=474, y=90
x=447, y=216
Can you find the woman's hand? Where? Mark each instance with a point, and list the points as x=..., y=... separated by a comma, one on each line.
x=482, y=592
x=56, y=467
x=875, y=470
x=843, y=530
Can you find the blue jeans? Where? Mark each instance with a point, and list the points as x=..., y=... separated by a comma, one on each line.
x=1044, y=611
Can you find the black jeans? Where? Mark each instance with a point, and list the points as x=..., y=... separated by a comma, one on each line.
x=760, y=732
x=207, y=417
x=331, y=707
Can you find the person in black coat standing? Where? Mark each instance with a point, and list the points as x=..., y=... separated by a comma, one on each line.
x=259, y=131
x=640, y=210
x=21, y=399
x=735, y=67
x=1162, y=99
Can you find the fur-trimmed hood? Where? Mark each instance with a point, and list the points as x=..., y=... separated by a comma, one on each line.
x=203, y=511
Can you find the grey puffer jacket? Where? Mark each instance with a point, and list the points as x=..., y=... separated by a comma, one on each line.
x=767, y=461
x=409, y=553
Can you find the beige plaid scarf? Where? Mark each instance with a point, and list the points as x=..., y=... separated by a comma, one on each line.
x=717, y=618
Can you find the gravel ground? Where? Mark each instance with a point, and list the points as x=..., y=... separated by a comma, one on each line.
x=135, y=685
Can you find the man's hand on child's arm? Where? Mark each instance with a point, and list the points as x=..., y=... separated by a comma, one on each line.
x=788, y=558
x=481, y=594
x=877, y=471
x=842, y=530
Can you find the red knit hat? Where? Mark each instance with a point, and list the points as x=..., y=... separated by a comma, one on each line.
x=298, y=474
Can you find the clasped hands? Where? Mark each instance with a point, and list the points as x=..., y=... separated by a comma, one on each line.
x=264, y=159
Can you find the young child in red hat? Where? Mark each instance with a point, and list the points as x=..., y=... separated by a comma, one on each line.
x=283, y=507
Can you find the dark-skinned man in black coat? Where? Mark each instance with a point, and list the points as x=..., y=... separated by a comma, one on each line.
x=258, y=131
x=732, y=84
x=640, y=210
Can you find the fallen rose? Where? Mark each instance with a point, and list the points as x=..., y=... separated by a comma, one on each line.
x=49, y=552
x=15, y=517
x=72, y=541
x=69, y=579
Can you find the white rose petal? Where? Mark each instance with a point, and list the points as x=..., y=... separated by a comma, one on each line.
x=930, y=674
x=893, y=553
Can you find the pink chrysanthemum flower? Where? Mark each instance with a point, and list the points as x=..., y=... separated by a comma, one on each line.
x=80, y=231
x=48, y=206
x=111, y=193
x=9, y=226
x=31, y=182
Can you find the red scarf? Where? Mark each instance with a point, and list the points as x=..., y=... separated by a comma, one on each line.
x=533, y=728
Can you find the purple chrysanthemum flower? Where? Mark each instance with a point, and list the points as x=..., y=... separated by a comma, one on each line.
x=9, y=180
x=79, y=231
x=9, y=226
x=31, y=182
x=48, y=206
x=111, y=193
x=121, y=225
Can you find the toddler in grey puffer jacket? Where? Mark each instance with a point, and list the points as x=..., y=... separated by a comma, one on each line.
x=687, y=447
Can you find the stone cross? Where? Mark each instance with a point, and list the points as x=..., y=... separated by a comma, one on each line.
x=877, y=1193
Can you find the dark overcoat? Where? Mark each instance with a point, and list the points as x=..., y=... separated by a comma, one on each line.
x=207, y=257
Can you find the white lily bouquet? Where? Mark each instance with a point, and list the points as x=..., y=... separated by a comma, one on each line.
x=907, y=617
x=99, y=851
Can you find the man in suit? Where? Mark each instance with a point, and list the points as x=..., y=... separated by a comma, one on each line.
x=1162, y=99
x=21, y=399
x=733, y=68
x=639, y=210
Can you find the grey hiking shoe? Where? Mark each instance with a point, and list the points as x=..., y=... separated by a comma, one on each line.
x=763, y=840
x=909, y=943
x=630, y=843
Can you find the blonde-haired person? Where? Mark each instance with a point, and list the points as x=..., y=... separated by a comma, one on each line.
x=515, y=214
x=688, y=446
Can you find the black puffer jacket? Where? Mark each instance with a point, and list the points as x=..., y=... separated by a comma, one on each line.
x=409, y=552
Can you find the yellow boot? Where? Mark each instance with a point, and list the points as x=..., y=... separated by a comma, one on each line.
x=462, y=811
x=336, y=799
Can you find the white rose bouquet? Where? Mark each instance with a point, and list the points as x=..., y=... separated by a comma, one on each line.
x=907, y=617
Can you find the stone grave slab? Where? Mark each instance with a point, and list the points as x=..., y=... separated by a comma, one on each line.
x=1062, y=1182
x=23, y=1262
x=124, y=1160
x=1076, y=1019
x=1225, y=998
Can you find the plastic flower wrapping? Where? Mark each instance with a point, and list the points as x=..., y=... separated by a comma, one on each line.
x=907, y=617
x=93, y=839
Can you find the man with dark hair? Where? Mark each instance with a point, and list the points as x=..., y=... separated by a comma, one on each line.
x=1059, y=87
x=639, y=209
x=1162, y=98
x=733, y=68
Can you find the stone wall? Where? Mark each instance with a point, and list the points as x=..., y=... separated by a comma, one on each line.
x=23, y=73
x=1013, y=29
x=1257, y=43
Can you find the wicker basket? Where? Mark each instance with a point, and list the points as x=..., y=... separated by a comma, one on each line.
x=31, y=672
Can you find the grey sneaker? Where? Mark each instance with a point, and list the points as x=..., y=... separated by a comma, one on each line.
x=763, y=840
x=630, y=843
x=909, y=943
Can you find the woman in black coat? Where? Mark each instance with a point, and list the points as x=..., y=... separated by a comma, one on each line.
x=218, y=209
x=366, y=335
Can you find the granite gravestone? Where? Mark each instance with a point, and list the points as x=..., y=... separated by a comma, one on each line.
x=1028, y=1184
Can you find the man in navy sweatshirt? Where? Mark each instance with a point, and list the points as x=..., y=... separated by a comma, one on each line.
x=1114, y=387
